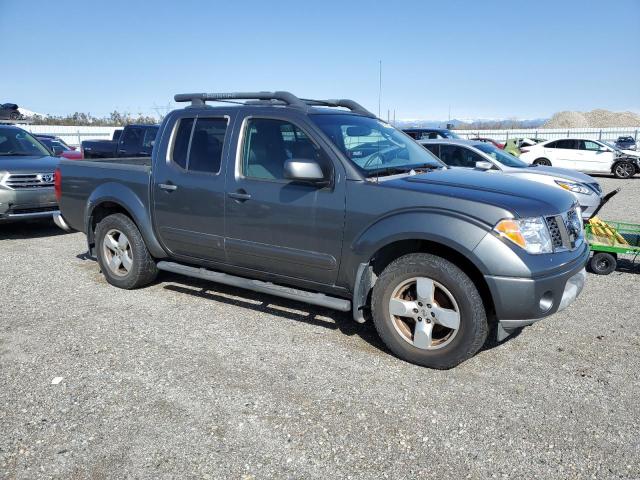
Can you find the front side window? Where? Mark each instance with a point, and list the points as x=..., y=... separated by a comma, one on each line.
x=589, y=145
x=374, y=146
x=197, y=144
x=149, y=136
x=269, y=143
x=457, y=156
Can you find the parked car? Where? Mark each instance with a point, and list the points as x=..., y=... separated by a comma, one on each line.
x=472, y=154
x=268, y=196
x=134, y=141
x=582, y=154
x=513, y=145
x=424, y=133
x=626, y=143
x=26, y=176
x=59, y=147
x=490, y=141
x=10, y=111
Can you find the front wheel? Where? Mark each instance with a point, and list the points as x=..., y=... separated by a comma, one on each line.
x=122, y=254
x=624, y=170
x=428, y=311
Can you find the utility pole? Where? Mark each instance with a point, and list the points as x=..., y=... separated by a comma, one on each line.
x=379, y=86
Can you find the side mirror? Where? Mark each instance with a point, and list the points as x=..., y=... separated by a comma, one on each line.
x=602, y=148
x=484, y=165
x=304, y=170
x=57, y=150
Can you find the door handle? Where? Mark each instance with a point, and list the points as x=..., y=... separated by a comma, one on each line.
x=167, y=187
x=240, y=195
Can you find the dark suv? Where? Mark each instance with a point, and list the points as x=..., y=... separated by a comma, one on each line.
x=321, y=202
x=626, y=143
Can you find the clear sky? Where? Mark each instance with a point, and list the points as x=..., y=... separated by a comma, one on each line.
x=493, y=59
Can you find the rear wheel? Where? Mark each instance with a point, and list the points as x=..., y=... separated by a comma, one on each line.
x=545, y=162
x=624, y=170
x=428, y=311
x=122, y=253
x=14, y=116
x=603, y=263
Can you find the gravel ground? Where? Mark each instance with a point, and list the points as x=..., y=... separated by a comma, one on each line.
x=186, y=379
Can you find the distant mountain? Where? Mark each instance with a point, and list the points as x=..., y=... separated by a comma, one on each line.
x=470, y=124
x=28, y=113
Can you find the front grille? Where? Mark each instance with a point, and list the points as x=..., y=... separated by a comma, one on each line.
x=19, y=181
x=566, y=230
x=554, y=229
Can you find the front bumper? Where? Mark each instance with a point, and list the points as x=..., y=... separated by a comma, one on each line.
x=27, y=204
x=522, y=301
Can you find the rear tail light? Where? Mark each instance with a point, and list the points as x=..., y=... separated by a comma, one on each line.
x=57, y=184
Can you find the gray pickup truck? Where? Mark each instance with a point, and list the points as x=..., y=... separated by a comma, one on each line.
x=321, y=202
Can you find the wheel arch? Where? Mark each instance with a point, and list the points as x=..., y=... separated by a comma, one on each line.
x=451, y=236
x=111, y=198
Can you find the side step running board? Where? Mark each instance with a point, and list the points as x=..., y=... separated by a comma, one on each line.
x=258, y=286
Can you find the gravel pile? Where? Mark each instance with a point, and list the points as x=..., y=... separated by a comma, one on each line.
x=594, y=119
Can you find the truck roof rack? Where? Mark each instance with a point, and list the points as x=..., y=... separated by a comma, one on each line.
x=270, y=98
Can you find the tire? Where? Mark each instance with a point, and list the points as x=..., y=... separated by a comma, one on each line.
x=117, y=236
x=452, y=293
x=14, y=116
x=543, y=162
x=603, y=263
x=624, y=170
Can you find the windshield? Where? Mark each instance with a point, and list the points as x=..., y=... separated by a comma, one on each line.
x=16, y=142
x=375, y=146
x=501, y=156
x=611, y=145
x=450, y=134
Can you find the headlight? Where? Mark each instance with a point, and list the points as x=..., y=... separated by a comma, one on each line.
x=530, y=234
x=574, y=187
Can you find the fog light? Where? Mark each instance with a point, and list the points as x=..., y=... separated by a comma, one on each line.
x=546, y=301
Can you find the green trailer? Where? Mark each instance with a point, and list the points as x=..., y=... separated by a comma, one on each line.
x=619, y=239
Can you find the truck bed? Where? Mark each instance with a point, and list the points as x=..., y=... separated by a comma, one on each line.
x=84, y=179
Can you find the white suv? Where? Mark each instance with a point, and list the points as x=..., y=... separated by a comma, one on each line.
x=580, y=154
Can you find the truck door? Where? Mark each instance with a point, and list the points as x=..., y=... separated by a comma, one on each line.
x=188, y=187
x=130, y=143
x=276, y=225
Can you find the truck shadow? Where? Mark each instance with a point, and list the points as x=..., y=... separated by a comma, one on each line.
x=291, y=310
x=29, y=229
x=281, y=307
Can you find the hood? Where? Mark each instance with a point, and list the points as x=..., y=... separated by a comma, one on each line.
x=631, y=153
x=28, y=164
x=523, y=198
x=564, y=173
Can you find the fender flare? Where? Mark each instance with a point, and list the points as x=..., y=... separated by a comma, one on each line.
x=451, y=229
x=129, y=201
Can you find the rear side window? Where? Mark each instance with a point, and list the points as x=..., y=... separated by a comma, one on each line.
x=568, y=144
x=149, y=136
x=132, y=137
x=197, y=145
